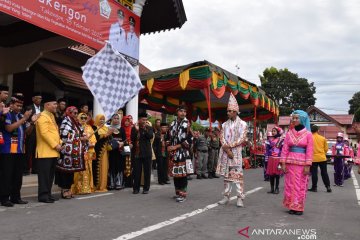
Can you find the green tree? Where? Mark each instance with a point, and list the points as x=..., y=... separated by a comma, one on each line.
x=288, y=89
x=354, y=103
x=357, y=115
x=197, y=127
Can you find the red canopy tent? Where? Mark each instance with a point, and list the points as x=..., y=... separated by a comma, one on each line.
x=205, y=89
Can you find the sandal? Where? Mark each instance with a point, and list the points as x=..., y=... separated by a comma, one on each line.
x=66, y=194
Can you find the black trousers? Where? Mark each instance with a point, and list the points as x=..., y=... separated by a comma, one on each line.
x=324, y=174
x=139, y=164
x=12, y=167
x=64, y=179
x=30, y=145
x=46, y=173
x=162, y=169
x=180, y=184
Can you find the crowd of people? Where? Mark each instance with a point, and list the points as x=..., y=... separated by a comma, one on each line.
x=298, y=154
x=82, y=155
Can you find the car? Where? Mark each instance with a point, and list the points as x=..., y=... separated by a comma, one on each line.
x=329, y=152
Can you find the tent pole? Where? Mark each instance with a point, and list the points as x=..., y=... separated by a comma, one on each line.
x=254, y=132
x=209, y=106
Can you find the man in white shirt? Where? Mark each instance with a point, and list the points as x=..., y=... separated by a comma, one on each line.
x=132, y=40
x=117, y=34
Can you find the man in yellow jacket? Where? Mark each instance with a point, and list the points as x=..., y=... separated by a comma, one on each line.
x=319, y=159
x=48, y=146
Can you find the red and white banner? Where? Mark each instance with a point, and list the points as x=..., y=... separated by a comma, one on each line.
x=90, y=22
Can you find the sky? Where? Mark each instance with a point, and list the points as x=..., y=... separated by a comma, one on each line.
x=317, y=39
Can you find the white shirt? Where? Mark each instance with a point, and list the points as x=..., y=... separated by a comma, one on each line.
x=37, y=109
x=117, y=38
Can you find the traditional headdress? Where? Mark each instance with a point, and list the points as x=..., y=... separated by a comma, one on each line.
x=340, y=134
x=279, y=130
x=233, y=105
x=304, y=118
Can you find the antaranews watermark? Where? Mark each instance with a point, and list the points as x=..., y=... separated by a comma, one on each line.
x=297, y=233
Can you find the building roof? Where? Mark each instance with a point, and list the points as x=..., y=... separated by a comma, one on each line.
x=70, y=78
x=284, y=120
x=65, y=76
x=143, y=69
x=162, y=15
x=343, y=119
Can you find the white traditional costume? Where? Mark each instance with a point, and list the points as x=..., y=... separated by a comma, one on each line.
x=233, y=134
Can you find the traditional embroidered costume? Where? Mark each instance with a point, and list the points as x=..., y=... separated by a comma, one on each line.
x=339, y=150
x=101, y=163
x=233, y=134
x=297, y=153
x=349, y=162
x=179, y=133
x=273, y=151
x=83, y=181
x=72, y=153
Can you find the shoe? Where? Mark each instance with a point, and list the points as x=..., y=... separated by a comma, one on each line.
x=276, y=191
x=299, y=213
x=167, y=182
x=161, y=183
x=291, y=212
x=145, y=192
x=210, y=176
x=54, y=198
x=180, y=199
x=341, y=185
x=7, y=204
x=46, y=201
x=215, y=176
x=175, y=196
x=19, y=201
x=135, y=191
x=198, y=177
x=239, y=202
x=204, y=176
x=224, y=201
x=312, y=189
x=271, y=191
x=328, y=189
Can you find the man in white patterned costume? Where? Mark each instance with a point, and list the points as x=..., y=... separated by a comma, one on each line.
x=233, y=134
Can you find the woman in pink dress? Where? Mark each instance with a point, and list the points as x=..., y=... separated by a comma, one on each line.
x=357, y=158
x=273, y=152
x=296, y=159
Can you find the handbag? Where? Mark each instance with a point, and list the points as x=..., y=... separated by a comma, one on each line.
x=126, y=151
x=189, y=167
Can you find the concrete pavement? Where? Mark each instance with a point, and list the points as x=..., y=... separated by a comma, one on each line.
x=122, y=215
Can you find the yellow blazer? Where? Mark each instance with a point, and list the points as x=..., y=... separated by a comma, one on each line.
x=47, y=136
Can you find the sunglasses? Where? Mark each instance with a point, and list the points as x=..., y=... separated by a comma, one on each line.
x=75, y=113
x=83, y=118
x=230, y=111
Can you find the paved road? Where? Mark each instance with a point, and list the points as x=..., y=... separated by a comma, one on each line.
x=122, y=215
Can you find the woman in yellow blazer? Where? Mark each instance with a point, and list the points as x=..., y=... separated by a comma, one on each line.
x=48, y=146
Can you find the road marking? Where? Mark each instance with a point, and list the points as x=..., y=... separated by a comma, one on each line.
x=94, y=196
x=176, y=219
x=356, y=185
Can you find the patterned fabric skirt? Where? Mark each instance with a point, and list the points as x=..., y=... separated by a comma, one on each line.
x=272, y=166
x=296, y=185
x=83, y=181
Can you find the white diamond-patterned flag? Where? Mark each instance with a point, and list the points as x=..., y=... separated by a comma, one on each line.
x=111, y=79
